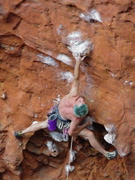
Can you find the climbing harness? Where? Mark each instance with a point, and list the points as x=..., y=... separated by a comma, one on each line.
x=56, y=122
x=70, y=152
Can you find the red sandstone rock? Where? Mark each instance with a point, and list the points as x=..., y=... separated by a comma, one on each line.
x=34, y=60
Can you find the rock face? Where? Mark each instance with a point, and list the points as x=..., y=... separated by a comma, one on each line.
x=36, y=66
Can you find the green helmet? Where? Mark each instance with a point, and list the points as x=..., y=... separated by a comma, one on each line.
x=81, y=111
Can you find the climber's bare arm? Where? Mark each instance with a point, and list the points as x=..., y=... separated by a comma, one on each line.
x=80, y=128
x=75, y=85
x=73, y=126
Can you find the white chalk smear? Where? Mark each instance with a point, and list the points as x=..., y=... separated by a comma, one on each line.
x=65, y=59
x=49, y=145
x=125, y=83
x=110, y=138
x=4, y=96
x=67, y=76
x=122, y=149
x=113, y=75
x=56, y=100
x=52, y=146
x=72, y=156
x=57, y=136
x=110, y=128
x=122, y=154
x=77, y=46
x=91, y=15
x=69, y=168
x=46, y=60
x=74, y=37
x=35, y=115
x=59, y=29
x=128, y=83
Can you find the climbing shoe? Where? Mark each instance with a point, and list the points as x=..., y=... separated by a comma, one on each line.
x=18, y=134
x=112, y=155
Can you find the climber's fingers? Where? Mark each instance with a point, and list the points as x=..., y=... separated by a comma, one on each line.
x=82, y=58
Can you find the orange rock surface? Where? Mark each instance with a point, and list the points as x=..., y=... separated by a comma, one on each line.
x=36, y=66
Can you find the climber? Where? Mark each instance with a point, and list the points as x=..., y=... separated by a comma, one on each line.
x=68, y=114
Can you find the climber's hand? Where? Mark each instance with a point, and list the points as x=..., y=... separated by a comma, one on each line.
x=78, y=56
x=82, y=57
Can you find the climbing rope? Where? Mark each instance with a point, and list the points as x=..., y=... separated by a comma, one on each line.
x=71, y=145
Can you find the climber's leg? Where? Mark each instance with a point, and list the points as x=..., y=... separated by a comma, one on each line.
x=89, y=135
x=32, y=128
x=36, y=127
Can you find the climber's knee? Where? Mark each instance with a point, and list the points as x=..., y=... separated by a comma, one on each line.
x=86, y=134
x=90, y=133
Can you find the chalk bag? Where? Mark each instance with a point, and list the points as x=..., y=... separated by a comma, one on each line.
x=52, y=122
